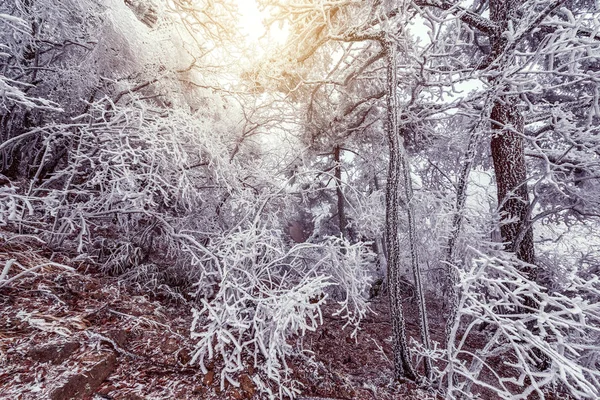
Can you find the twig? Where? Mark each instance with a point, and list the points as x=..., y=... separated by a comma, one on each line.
x=380, y=350
x=117, y=348
x=147, y=320
x=31, y=271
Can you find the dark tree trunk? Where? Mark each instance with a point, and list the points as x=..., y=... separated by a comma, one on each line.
x=510, y=168
x=511, y=176
x=337, y=172
x=507, y=147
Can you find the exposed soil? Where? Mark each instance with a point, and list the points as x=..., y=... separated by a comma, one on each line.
x=81, y=334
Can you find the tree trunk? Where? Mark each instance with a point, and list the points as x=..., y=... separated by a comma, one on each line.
x=403, y=367
x=508, y=148
x=511, y=176
x=414, y=259
x=337, y=172
x=399, y=163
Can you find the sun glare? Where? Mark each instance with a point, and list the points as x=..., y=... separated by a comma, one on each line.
x=251, y=19
x=251, y=24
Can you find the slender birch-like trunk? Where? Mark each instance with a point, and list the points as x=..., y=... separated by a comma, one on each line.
x=403, y=367
x=337, y=171
x=398, y=164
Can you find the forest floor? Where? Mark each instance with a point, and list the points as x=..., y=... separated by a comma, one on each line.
x=81, y=334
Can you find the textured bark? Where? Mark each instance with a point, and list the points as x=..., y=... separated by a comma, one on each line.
x=337, y=172
x=508, y=154
x=403, y=367
x=452, y=276
x=414, y=260
x=508, y=148
x=511, y=175
x=399, y=164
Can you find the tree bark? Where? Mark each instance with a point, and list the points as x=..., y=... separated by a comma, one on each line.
x=403, y=367
x=508, y=154
x=511, y=177
x=337, y=172
x=507, y=147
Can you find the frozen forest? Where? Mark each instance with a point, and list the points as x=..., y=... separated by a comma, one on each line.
x=299, y=199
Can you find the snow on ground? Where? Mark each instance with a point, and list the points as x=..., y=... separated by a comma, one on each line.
x=83, y=334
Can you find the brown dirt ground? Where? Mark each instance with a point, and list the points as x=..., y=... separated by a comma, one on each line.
x=96, y=315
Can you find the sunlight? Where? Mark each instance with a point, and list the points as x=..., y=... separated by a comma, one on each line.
x=251, y=20
x=251, y=24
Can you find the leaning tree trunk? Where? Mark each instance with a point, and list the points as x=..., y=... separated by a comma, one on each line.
x=508, y=148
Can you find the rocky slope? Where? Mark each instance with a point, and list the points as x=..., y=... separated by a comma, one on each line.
x=80, y=334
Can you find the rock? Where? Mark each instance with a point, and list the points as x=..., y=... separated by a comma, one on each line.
x=183, y=357
x=208, y=378
x=169, y=346
x=105, y=391
x=120, y=336
x=198, y=390
x=236, y=394
x=85, y=383
x=247, y=385
x=54, y=353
